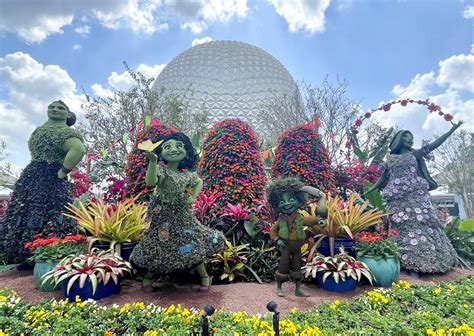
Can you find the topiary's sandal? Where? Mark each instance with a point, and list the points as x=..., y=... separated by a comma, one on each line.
x=204, y=288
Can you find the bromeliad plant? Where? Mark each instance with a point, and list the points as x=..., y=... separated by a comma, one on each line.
x=97, y=267
x=377, y=244
x=119, y=223
x=340, y=267
x=346, y=219
x=51, y=249
x=206, y=209
x=230, y=262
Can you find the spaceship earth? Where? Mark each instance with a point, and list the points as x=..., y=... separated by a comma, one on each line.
x=230, y=79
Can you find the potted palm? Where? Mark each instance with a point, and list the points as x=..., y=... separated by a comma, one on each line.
x=381, y=254
x=344, y=220
x=95, y=275
x=339, y=273
x=48, y=251
x=114, y=226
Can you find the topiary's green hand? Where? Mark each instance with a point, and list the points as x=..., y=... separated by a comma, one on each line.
x=152, y=157
x=190, y=201
x=75, y=151
x=280, y=243
x=61, y=174
x=151, y=178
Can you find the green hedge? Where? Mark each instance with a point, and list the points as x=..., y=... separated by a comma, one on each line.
x=406, y=309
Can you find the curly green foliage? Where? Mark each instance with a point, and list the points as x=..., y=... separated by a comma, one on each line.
x=137, y=162
x=301, y=153
x=46, y=142
x=280, y=186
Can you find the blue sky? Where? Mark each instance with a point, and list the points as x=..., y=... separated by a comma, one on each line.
x=386, y=50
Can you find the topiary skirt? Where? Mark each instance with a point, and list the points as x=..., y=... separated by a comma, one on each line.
x=36, y=207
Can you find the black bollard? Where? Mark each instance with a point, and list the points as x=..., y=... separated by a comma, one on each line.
x=273, y=308
x=208, y=311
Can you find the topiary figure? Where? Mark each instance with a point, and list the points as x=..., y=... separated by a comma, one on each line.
x=232, y=164
x=137, y=161
x=300, y=153
x=43, y=190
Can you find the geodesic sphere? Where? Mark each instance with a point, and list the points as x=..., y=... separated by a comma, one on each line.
x=230, y=79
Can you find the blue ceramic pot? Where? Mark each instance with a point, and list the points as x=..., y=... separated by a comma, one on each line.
x=102, y=291
x=347, y=285
x=386, y=271
x=347, y=243
x=39, y=270
x=125, y=248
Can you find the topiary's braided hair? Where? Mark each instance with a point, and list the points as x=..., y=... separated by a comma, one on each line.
x=285, y=185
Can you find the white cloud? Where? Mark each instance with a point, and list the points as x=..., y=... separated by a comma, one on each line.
x=83, y=30
x=452, y=103
x=41, y=18
x=150, y=71
x=76, y=47
x=468, y=12
x=124, y=81
x=121, y=81
x=302, y=14
x=195, y=27
x=100, y=91
x=201, y=41
x=417, y=118
x=31, y=86
x=199, y=14
x=457, y=72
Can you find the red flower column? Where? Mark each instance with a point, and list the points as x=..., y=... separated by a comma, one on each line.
x=137, y=162
x=300, y=153
x=232, y=164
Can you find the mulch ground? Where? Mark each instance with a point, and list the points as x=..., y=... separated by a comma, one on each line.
x=241, y=296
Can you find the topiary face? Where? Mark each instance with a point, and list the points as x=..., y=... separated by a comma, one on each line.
x=285, y=196
x=173, y=151
x=58, y=111
x=288, y=203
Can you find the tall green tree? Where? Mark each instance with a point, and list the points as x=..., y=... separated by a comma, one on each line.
x=454, y=163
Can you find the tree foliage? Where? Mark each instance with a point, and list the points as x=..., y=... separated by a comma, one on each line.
x=112, y=122
x=454, y=162
x=329, y=102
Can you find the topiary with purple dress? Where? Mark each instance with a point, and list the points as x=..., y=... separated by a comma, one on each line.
x=424, y=247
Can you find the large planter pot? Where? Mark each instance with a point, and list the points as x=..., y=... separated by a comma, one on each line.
x=347, y=243
x=125, y=248
x=347, y=285
x=102, y=291
x=386, y=271
x=38, y=271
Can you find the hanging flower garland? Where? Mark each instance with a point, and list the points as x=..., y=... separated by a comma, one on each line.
x=432, y=108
